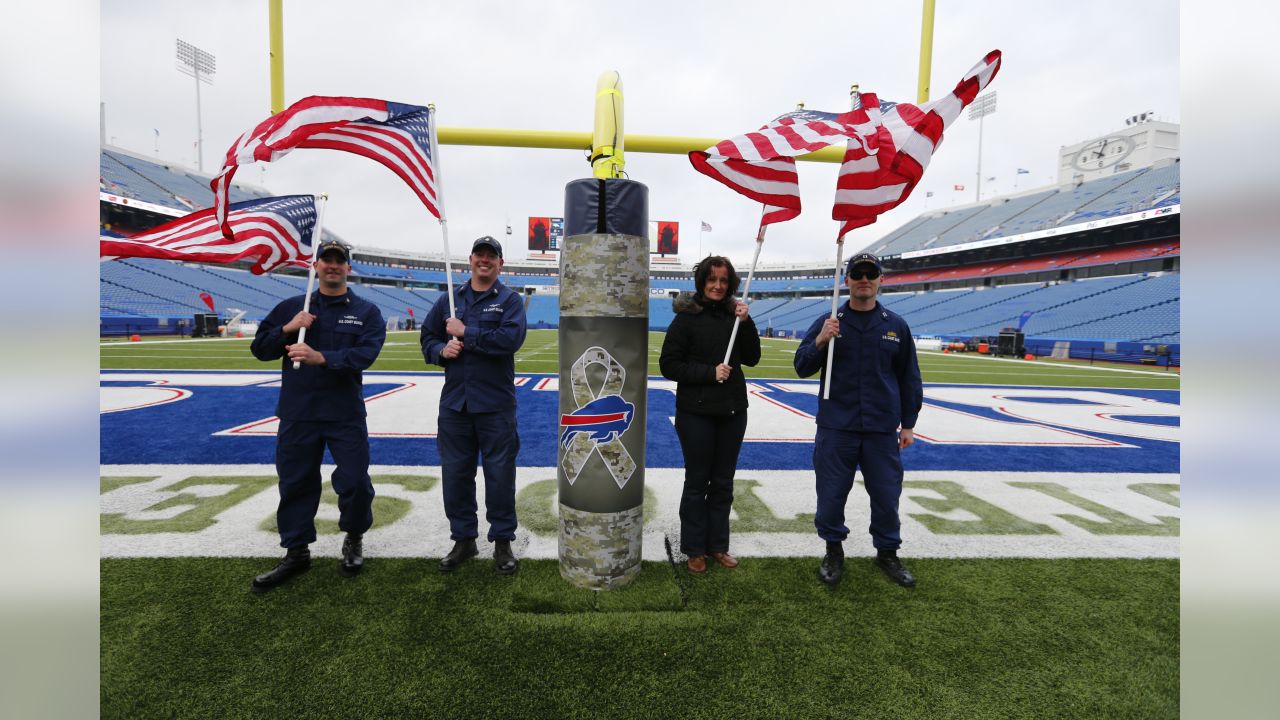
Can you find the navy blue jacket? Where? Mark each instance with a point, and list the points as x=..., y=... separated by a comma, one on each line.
x=482, y=378
x=876, y=386
x=348, y=331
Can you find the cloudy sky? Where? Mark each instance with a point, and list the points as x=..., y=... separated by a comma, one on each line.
x=1071, y=71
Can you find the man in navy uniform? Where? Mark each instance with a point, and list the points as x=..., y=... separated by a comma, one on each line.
x=876, y=395
x=478, y=405
x=322, y=404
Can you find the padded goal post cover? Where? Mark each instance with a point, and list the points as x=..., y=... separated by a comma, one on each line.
x=612, y=206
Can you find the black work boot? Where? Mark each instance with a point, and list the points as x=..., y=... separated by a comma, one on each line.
x=296, y=561
x=504, y=561
x=462, y=551
x=352, y=555
x=832, y=568
x=887, y=560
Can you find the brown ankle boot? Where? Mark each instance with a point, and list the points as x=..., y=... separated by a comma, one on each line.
x=725, y=559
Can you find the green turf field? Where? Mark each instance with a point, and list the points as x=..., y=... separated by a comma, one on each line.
x=540, y=355
x=975, y=639
x=991, y=638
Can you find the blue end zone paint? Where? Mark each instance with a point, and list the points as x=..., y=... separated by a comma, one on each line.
x=1045, y=400
x=183, y=433
x=1165, y=420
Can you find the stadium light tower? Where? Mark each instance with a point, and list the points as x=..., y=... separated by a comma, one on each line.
x=982, y=106
x=196, y=63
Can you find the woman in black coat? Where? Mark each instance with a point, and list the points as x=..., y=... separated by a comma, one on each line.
x=711, y=404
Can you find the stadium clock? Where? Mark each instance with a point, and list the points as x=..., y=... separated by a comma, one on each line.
x=1102, y=153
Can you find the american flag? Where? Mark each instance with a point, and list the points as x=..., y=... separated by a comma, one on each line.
x=274, y=231
x=397, y=136
x=871, y=183
x=761, y=164
x=706, y=227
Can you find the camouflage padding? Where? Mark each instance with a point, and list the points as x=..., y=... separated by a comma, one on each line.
x=600, y=551
x=604, y=276
x=604, y=310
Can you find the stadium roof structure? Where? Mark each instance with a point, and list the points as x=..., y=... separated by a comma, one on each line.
x=1126, y=197
x=129, y=180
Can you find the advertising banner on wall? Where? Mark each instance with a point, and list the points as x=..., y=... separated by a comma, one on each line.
x=539, y=234
x=546, y=234
x=664, y=237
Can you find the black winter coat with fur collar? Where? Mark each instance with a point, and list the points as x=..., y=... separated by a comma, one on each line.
x=695, y=344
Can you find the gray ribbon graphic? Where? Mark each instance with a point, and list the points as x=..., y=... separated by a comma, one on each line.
x=613, y=453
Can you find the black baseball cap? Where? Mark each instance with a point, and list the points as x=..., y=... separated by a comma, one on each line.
x=488, y=242
x=862, y=258
x=334, y=245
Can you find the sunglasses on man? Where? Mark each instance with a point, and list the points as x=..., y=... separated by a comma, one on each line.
x=870, y=273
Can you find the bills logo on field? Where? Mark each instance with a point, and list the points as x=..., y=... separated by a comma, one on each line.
x=603, y=419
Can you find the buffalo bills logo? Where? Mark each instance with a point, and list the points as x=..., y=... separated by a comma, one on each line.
x=603, y=419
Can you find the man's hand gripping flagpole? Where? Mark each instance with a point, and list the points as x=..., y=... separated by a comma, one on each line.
x=321, y=200
x=835, y=299
x=855, y=99
x=746, y=290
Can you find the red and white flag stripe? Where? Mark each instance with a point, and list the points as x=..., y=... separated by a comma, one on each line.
x=786, y=138
x=393, y=148
x=872, y=183
x=393, y=134
x=275, y=232
x=772, y=182
x=761, y=164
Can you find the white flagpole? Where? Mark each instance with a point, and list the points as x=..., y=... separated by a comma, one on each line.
x=321, y=200
x=733, y=334
x=855, y=99
x=444, y=224
x=835, y=298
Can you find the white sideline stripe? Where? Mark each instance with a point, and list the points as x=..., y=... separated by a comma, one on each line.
x=1034, y=377
x=131, y=345
x=659, y=378
x=140, y=343
x=1086, y=368
x=188, y=357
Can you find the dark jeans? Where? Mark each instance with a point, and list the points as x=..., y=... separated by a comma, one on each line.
x=837, y=454
x=299, y=450
x=494, y=439
x=710, y=444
